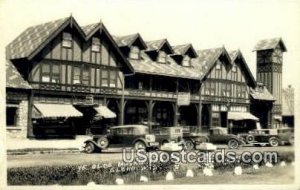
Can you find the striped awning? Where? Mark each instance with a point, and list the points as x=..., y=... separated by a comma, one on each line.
x=241, y=116
x=43, y=110
x=104, y=112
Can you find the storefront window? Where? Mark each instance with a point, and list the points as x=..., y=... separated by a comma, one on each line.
x=11, y=116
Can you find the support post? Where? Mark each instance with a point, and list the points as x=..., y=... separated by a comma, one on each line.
x=150, y=106
x=29, y=122
x=199, y=121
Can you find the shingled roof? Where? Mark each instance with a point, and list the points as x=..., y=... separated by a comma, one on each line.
x=269, y=44
x=156, y=45
x=14, y=78
x=183, y=49
x=260, y=92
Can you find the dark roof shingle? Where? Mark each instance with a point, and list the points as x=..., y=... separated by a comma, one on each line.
x=269, y=44
x=14, y=78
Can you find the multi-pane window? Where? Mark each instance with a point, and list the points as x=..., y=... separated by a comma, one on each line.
x=45, y=72
x=67, y=40
x=218, y=66
x=186, y=62
x=134, y=52
x=85, y=76
x=104, y=78
x=55, y=74
x=234, y=68
x=112, y=80
x=11, y=116
x=96, y=45
x=76, y=75
x=162, y=57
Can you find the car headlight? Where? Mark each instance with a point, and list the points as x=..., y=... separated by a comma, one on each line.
x=150, y=138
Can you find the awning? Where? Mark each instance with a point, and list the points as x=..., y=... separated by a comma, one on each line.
x=104, y=112
x=241, y=116
x=55, y=110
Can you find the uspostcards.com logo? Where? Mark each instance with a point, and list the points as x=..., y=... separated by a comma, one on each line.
x=200, y=157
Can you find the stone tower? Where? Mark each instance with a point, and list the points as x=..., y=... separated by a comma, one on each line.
x=269, y=54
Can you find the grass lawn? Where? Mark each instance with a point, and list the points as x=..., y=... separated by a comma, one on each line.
x=275, y=175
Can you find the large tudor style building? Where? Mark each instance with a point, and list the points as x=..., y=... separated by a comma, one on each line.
x=59, y=74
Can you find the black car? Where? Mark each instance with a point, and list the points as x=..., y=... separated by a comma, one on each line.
x=136, y=136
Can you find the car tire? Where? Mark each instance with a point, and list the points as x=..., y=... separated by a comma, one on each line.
x=233, y=144
x=189, y=145
x=138, y=145
x=273, y=141
x=249, y=138
x=89, y=147
x=102, y=142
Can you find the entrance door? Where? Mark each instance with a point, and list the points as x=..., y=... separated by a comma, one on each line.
x=224, y=119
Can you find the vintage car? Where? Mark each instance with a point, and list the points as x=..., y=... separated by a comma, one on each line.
x=219, y=135
x=272, y=137
x=188, y=140
x=136, y=136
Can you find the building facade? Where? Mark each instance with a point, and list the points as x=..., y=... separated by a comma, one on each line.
x=146, y=82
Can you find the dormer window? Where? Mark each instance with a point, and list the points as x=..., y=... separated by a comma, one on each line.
x=186, y=62
x=96, y=44
x=218, y=66
x=162, y=57
x=134, y=52
x=67, y=40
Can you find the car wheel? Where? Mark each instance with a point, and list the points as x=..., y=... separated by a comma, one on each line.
x=273, y=141
x=102, y=142
x=189, y=145
x=139, y=145
x=249, y=138
x=233, y=144
x=291, y=141
x=89, y=147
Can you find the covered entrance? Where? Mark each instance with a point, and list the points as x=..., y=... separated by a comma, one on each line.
x=188, y=115
x=163, y=113
x=135, y=112
x=241, y=122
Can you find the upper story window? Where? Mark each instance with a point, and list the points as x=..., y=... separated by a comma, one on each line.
x=134, y=52
x=186, y=62
x=85, y=76
x=45, y=73
x=96, y=45
x=55, y=74
x=67, y=40
x=234, y=68
x=162, y=57
x=218, y=66
x=76, y=75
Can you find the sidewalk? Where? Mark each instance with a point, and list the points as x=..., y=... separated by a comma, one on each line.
x=24, y=146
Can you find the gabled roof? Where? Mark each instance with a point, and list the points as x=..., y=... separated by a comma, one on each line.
x=260, y=92
x=34, y=38
x=237, y=54
x=128, y=40
x=14, y=78
x=207, y=59
x=269, y=44
x=288, y=101
x=183, y=50
x=156, y=45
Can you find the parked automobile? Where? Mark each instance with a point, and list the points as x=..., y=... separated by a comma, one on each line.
x=179, y=135
x=272, y=137
x=219, y=135
x=136, y=136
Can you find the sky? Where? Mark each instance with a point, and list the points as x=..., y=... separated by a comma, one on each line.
x=206, y=24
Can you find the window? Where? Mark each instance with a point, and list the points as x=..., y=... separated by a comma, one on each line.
x=186, y=62
x=76, y=75
x=11, y=116
x=218, y=66
x=85, y=76
x=67, y=40
x=112, y=80
x=45, y=72
x=134, y=52
x=96, y=44
x=104, y=78
x=55, y=74
x=234, y=68
x=162, y=57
